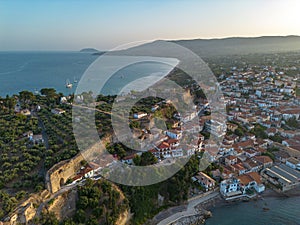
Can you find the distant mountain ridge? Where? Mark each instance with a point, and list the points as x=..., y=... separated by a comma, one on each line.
x=228, y=46
x=242, y=45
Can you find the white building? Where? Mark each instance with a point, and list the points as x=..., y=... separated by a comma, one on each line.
x=139, y=115
x=251, y=180
x=57, y=111
x=205, y=181
x=175, y=134
x=216, y=128
x=293, y=163
x=230, y=187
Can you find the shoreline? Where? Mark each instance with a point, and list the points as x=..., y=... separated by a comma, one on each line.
x=205, y=209
x=219, y=202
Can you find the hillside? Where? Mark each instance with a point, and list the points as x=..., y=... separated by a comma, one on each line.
x=239, y=45
x=228, y=46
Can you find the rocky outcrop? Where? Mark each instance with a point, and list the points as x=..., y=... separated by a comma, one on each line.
x=27, y=210
x=124, y=218
x=193, y=220
x=64, y=206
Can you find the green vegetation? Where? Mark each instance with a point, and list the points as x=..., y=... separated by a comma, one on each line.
x=118, y=149
x=270, y=152
x=143, y=201
x=239, y=132
x=61, y=141
x=24, y=156
x=7, y=203
x=277, y=138
x=98, y=203
x=293, y=123
x=297, y=91
x=147, y=158
x=20, y=158
x=259, y=131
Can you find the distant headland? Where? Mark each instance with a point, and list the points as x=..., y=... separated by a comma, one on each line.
x=89, y=50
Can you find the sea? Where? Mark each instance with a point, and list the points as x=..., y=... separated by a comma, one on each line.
x=33, y=71
x=267, y=211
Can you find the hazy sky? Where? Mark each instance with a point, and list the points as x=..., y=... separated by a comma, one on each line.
x=76, y=24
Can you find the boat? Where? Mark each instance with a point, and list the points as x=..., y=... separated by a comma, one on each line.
x=75, y=80
x=265, y=209
x=68, y=84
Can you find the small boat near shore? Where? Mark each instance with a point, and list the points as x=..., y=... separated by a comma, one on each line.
x=69, y=84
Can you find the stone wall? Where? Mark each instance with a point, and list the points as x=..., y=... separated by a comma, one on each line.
x=61, y=172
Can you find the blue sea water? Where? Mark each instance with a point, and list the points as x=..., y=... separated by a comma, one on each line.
x=33, y=71
x=282, y=211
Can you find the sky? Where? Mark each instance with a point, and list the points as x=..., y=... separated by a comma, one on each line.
x=77, y=24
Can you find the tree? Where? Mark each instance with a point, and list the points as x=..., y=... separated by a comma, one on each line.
x=26, y=97
x=147, y=158
x=137, y=160
x=239, y=132
x=49, y=92
x=259, y=131
x=80, y=216
x=292, y=122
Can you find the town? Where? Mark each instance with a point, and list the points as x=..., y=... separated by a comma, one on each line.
x=259, y=147
x=261, y=136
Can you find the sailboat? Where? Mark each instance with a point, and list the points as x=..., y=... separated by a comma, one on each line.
x=68, y=84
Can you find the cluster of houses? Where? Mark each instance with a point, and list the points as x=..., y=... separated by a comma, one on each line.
x=241, y=162
x=168, y=143
x=266, y=98
x=253, y=97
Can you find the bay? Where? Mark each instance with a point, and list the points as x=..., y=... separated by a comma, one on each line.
x=281, y=211
x=33, y=71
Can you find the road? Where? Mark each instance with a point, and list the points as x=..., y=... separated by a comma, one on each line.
x=86, y=107
x=61, y=191
x=190, y=210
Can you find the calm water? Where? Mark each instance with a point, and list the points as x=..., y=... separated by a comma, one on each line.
x=283, y=211
x=35, y=70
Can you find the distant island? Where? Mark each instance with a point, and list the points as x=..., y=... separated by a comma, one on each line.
x=89, y=50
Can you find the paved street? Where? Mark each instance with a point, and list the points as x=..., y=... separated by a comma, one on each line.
x=190, y=211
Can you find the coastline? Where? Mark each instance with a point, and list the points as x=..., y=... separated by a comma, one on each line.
x=205, y=209
x=269, y=193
